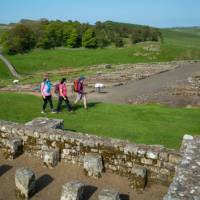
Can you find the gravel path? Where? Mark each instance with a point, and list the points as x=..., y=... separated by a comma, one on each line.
x=147, y=88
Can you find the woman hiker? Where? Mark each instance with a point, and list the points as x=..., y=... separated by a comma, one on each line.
x=46, y=95
x=62, y=91
x=81, y=94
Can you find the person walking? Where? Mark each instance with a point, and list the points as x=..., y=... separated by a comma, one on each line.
x=46, y=95
x=62, y=87
x=81, y=94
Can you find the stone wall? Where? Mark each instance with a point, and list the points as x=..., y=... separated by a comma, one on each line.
x=150, y=163
x=186, y=182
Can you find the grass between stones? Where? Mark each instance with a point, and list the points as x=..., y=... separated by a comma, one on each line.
x=148, y=124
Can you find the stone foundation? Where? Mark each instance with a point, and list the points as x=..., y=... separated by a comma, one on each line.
x=140, y=163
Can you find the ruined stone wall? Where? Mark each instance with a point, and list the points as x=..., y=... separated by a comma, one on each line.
x=186, y=182
x=121, y=157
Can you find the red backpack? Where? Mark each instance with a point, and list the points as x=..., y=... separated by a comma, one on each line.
x=76, y=82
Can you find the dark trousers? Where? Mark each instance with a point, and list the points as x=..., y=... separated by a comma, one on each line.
x=46, y=100
x=66, y=100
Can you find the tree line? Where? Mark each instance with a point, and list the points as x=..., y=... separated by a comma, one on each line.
x=28, y=34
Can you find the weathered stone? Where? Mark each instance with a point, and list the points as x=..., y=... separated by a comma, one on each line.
x=152, y=155
x=108, y=194
x=167, y=197
x=51, y=157
x=93, y=165
x=72, y=191
x=164, y=171
x=46, y=123
x=141, y=152
x=13, y=148
x=146, y=161
x=108, y=66
x=188, y=137
x=139, y=177
x=175, y=158
x=132, y=149
x=164, y=156
x=186, y=182
x=25, y=183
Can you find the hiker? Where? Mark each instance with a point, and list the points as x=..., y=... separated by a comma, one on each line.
x=80, y=90
x=62, y=93
x=46, y=95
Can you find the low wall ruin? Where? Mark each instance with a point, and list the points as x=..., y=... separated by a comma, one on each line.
x=142, y=164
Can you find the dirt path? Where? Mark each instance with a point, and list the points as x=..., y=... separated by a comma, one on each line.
x=147, y=88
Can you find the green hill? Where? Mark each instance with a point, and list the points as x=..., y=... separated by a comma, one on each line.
x=182, y=37
x=178, y=44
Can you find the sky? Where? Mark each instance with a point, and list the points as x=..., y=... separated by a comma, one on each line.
x=157, y=13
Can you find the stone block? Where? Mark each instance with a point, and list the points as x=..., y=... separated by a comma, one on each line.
x=72, y=191
x=146, y=161
x=175, y=158
x=25, y=182
x=43, y=122
x=141, y=152
x=138, y=177
x=51, y=157
x=93, y=165
x=152, y=155
x=130, y=148
x=13, y=148
x=108, y=194
x=164, y=156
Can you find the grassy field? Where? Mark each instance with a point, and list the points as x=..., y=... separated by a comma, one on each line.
x=179, y=44
x=149, y=124
x=4, y=72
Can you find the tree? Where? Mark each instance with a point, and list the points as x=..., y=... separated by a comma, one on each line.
x=73, y=39
x=19, y=39
x=119, y=41
x=89, y=39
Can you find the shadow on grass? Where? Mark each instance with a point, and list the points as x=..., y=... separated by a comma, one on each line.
x=89, y=191
x=90, y=105
x=4, y=169
x=43, y=182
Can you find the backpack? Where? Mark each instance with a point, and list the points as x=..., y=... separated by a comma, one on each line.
x=76, y=82
x=56, y=90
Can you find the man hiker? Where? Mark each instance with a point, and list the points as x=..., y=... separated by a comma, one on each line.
x=46, y=95
x=79, y=88
x=62, y=93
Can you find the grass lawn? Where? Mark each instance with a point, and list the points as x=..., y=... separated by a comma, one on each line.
x=44, y=60
x=4, y=72
x=149, y=124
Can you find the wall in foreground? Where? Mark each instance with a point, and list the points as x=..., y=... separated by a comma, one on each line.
x=121, y=157
x=186, y=182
